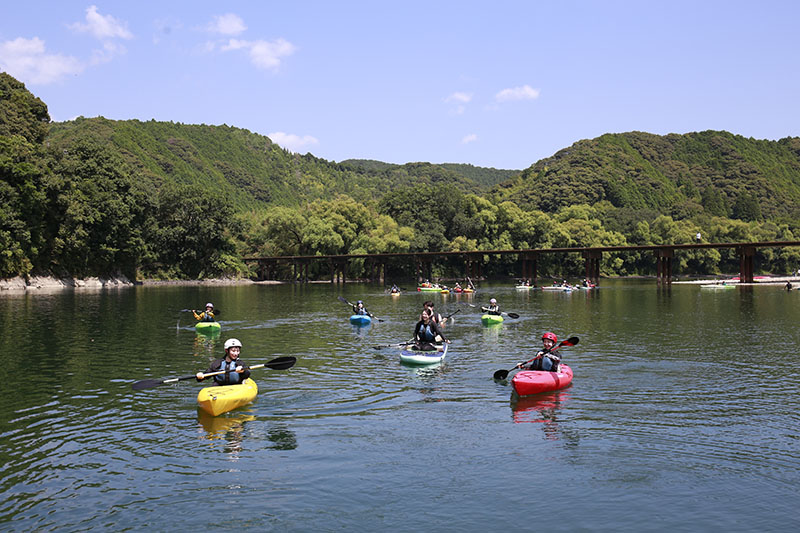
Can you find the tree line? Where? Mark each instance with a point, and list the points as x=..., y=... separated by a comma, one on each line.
x=159, y=200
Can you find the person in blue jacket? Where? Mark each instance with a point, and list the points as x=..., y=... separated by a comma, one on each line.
x=236, y=370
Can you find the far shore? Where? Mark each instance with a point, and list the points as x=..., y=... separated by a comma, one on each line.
x=49, y=283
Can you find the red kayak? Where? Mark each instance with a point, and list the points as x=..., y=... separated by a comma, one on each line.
x=528, y=382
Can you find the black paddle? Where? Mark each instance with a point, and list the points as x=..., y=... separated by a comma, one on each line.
x=279, y=363
x=368, y=313
x=397, y=344
x=510, y=315
x=215, y=311
x=503, y=374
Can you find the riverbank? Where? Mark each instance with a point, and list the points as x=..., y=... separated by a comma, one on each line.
x=48, y=283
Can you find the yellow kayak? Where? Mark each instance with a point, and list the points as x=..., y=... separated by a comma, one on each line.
x=221, y=399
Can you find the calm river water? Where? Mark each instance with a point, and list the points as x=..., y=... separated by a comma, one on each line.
x=683, y=414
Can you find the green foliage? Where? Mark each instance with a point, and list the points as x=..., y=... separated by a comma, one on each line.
x=96, y=196
x=21, y=113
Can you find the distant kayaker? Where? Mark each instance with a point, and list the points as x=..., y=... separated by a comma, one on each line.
x=427, y=332
x=394, y=289
x=207, y=315
x=436, y=317
x=492, y=308
x=788, y=285
x=236, y=370
x=359, y=309
x=547, y=359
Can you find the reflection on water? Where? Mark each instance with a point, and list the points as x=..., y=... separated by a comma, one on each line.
x=545, y=409
x=667, y=403
x=230, y=429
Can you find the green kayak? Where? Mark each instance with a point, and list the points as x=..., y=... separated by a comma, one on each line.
x=208, y=327
x=488, y=320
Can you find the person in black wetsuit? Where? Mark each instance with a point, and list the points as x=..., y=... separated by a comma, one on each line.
x=426, y=333
x=236, y=370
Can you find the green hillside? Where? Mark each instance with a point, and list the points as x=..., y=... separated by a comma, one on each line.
x=681, y=175
x=247, y=167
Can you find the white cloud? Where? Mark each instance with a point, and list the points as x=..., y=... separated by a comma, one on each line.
x=293, y=142
x=459, y=98
x=227, y=24
x=27, y=60
x=102, y=26
x=469, y=138
x=526, y=92
x=263, y=54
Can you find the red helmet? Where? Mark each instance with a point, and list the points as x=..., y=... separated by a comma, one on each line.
x=551, y=336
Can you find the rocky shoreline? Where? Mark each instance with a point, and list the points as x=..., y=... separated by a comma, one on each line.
x=45, y=283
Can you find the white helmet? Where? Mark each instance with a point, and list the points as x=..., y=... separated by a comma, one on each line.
x=492, y=301
x=230, y=343
x=209, y=304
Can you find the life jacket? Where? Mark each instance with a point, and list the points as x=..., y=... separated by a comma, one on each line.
x=230, y=377
x=208, y=316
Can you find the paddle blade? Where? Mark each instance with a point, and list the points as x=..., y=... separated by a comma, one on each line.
x=501, y=374
x=344, y=301
x=146, y=384
x=572, y=341
x=513, y=315
x=281, y=363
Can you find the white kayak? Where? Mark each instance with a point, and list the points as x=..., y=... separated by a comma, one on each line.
x=423, y=357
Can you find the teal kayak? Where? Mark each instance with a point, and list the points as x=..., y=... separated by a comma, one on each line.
x=360, y=320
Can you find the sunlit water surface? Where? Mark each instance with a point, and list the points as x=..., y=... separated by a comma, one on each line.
x=683, y=414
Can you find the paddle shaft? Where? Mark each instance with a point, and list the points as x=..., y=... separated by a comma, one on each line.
x=279, y=363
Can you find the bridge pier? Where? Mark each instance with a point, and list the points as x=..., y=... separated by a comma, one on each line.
x=746, y=254
x=529, y=267
x=664, y=265
x=267, y=269
x=473, y=265
x=593, y=258
x=338, y=267
x=424, y=268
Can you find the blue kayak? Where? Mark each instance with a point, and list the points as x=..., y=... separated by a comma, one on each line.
x=360, y=320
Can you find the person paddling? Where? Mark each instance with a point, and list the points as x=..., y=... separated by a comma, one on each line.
x=492, y=308
x=427, y=332
x=236, y=370
x=547, y=359
x=359, y=309
x=207, y=315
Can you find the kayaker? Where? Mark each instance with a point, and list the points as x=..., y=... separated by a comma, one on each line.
x=788, y=285
x=427, y=332
x=207, y=315
x=492, y=308
x=236, y=370
x=547, y=359
x=395, y=289
x=359, y=309
x=436, y=317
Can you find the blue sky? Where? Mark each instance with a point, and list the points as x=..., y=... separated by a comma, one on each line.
x=498, y=84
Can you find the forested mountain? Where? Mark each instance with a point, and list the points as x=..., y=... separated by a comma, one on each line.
x=711, y=172
x=457, y=171
x=157, y=199
x=247, y=167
